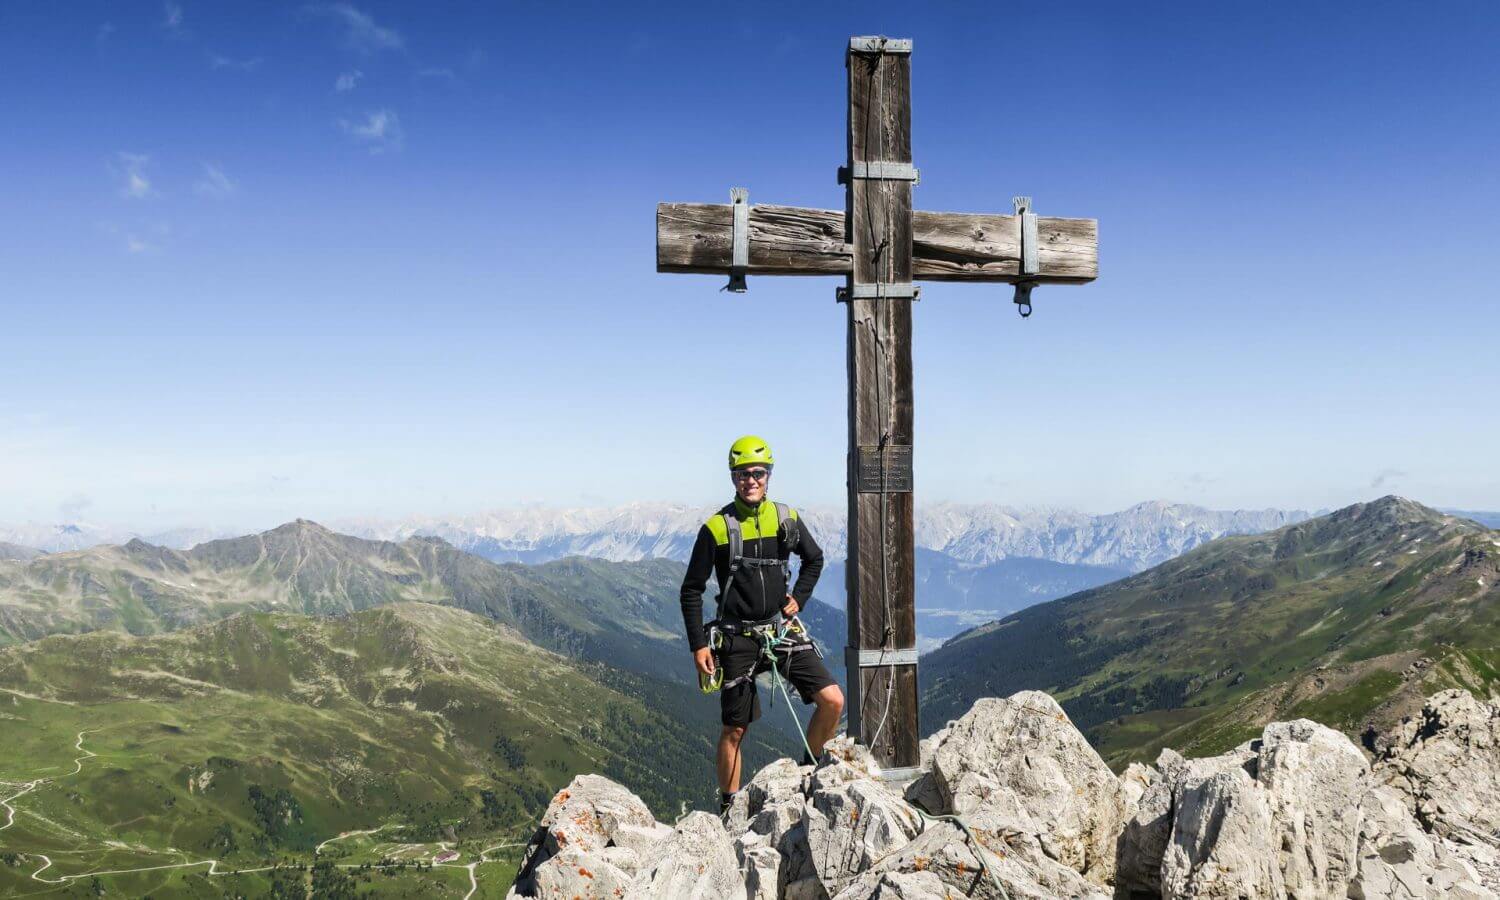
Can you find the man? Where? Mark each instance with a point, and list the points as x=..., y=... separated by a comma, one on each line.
x=754, y=596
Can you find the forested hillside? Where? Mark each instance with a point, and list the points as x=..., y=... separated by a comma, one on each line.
x=1349, y=618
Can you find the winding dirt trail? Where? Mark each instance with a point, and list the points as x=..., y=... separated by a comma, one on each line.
x=348, y=834
x=27, y=787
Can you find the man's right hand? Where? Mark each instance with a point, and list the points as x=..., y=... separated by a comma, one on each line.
x=704, y=658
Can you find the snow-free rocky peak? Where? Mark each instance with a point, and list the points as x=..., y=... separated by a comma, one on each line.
x=1013, y=803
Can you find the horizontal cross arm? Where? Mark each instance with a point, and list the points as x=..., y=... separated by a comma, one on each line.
x=793, y=240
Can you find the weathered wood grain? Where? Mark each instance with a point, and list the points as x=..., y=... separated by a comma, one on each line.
x=882, y=538
x=979, y=247
x=946, y=246
x=784, y=240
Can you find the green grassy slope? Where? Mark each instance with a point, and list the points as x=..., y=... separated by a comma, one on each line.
x=1348, y=618
x=255, y=738
x=619, y=613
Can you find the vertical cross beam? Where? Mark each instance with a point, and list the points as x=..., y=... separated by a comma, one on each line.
x=881, y=583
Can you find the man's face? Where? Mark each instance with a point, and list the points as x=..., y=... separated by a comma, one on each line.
x=750, y=482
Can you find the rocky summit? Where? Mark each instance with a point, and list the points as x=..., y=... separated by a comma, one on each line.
x=1013, y=804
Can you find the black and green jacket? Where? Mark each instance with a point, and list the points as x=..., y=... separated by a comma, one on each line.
x=757, y=593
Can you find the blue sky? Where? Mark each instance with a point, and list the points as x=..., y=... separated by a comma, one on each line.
x=263, y=261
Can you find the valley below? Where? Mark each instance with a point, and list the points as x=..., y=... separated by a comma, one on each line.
x=308, y=713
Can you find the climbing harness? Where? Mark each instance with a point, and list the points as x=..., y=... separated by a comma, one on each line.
x=786, y=637
x=789, y=637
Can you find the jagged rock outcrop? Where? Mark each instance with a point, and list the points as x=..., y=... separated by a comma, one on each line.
x=1013, y=804
x=1314, y=777
x=1445, y=761
x=1398, y=860
x=853, y=821
x=695, y=860
x=1304, y=797
x=1024, y=747
x=1222, y=845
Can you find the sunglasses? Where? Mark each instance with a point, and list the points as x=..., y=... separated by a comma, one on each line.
x=747, y=474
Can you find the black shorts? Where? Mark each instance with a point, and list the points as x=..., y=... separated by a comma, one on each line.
x=740, y=705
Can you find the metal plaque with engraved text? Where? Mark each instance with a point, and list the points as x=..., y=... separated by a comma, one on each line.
x=897, y=476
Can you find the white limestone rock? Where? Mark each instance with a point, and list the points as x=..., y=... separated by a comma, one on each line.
x=639, y=839
x=586, y=814
x=1447, y=761
x=1398, y=860
x=581, y=874
x=850, y=824
x=761, y=864
x=1025, y=745
x=900, y=886
x=1313, y=777
x=1221, y=846
x=593, y=824
x=1009, y=872
x=1148, y=827
x=696, y=860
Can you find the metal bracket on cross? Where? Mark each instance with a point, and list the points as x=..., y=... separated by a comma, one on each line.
x=884, y=290
x=880, y=44
x=739, y=259
x=880, y=170
x=1029, y=264
x=855, y=658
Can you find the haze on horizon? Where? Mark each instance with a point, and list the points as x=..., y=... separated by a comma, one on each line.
x=359, y=259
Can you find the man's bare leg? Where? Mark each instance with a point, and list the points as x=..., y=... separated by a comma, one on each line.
x=729, y=757
x=825, y=718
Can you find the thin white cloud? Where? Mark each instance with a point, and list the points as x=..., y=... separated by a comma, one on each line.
x=104, y=31
x=380, y=130
x=214, y=183
x=361, y=32
x=348, y=80
x=219, y=61
x=441, y=72
x=139, y=238
x=172, y=17
x=130, y=168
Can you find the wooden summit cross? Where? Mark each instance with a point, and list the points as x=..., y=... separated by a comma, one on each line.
x=880, y=245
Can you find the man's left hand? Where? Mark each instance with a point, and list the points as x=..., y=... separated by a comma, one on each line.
x=791, y=607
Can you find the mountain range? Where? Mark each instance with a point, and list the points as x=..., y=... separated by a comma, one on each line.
x=1349, y=618
x=971, y=534
x=617, y=613
x=623, y=615
x=975, y=562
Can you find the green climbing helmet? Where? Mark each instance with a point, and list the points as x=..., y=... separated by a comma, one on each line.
x=750, y=450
